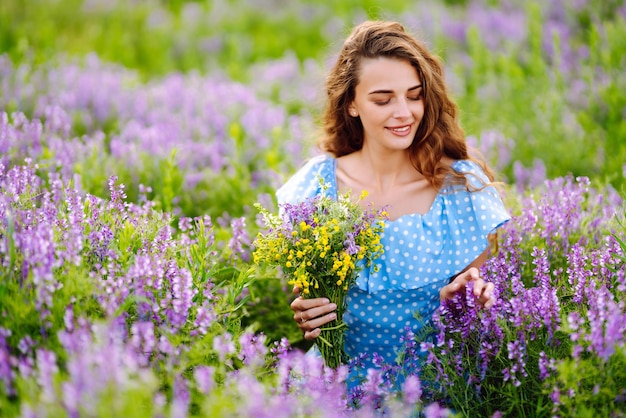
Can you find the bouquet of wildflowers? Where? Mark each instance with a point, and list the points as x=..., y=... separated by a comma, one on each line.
x=321, y=244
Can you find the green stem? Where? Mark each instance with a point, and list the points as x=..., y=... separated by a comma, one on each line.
x=325, y=341
x=341, y=325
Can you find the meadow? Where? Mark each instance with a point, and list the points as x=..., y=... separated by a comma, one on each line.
x=136, y=137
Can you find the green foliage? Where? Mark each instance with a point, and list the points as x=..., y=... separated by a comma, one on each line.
x=521, y=91
x=160, y=37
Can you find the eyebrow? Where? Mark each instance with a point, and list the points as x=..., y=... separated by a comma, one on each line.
x=419, y=86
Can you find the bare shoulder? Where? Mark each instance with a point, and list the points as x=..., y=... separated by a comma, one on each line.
x=349, y=172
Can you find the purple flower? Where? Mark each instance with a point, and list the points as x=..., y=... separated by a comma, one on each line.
x=350, y=245
x=253, y=348
x=240, y=240
x=7, y=375
x=547, y=366
x=46, y=369
x=204, y=377
x=412, y=389
x=224, y=346
x=180, y=398
x=434, y=410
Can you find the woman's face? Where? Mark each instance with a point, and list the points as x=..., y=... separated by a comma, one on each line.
x=388, y=99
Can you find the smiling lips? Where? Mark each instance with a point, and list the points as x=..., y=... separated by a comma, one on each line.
x=401, y=130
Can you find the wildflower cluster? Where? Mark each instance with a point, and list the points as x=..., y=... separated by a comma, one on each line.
x=560, y=315
x=321, y=244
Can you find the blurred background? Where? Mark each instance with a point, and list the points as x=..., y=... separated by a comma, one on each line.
x=227, y=92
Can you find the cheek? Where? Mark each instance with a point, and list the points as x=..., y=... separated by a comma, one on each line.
x=373, y=117
x=418, y=109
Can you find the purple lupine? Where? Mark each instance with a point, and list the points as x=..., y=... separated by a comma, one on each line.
x=19, y=137
x=280, y=347
x=350, y=245
x=498, y=26
x=304, y=375
x=607, y=265
x=240, y=241
x=555, y=396
x=547, y=366
x=38, y=246
x=517, y=355
x=293, y=214
x=607, y=321
x=143, y=341
x=204, y=378
x=577, y=274
x=435, y=410
x=412, y=389
x=224, y=346
x=100, y=361
x=253, y=348
x=177, y=302
x=498, y=148
x=205, y=317
x=74, y=228
x=150, y=115
x=46, y=369
x=548, y=306
x=180, y=398
x=373, y=391
x=7, y=374
x=533, y=177
x=252, y=400
x=561, y=207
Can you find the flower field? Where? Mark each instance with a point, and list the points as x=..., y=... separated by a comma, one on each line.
x=136, y=138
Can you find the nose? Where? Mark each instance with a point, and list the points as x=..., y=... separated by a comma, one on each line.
x=402, y=109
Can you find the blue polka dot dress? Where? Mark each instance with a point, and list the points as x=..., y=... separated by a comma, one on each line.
x=422, y=253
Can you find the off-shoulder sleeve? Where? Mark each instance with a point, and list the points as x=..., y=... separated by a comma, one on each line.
x=489, y=212
x=305, y=183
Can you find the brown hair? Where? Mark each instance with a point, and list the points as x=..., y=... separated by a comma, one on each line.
x=439, y=134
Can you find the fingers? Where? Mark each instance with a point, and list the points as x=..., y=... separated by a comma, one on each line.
x=311, y=335
x=302, y=304
x=482, y=290
x=311, y=314
x=484, y=294
x=312, y=327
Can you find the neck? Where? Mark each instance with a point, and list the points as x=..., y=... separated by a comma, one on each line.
x=385, y=170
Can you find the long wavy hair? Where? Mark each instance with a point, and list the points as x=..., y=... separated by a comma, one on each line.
x=439, y=133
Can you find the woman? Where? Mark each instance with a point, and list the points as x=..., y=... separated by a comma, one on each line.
x=391, y=129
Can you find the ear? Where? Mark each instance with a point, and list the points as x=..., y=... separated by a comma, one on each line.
x=352, y=110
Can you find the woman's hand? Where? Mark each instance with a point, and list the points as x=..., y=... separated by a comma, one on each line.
x=482, y=290
x=311, y=314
